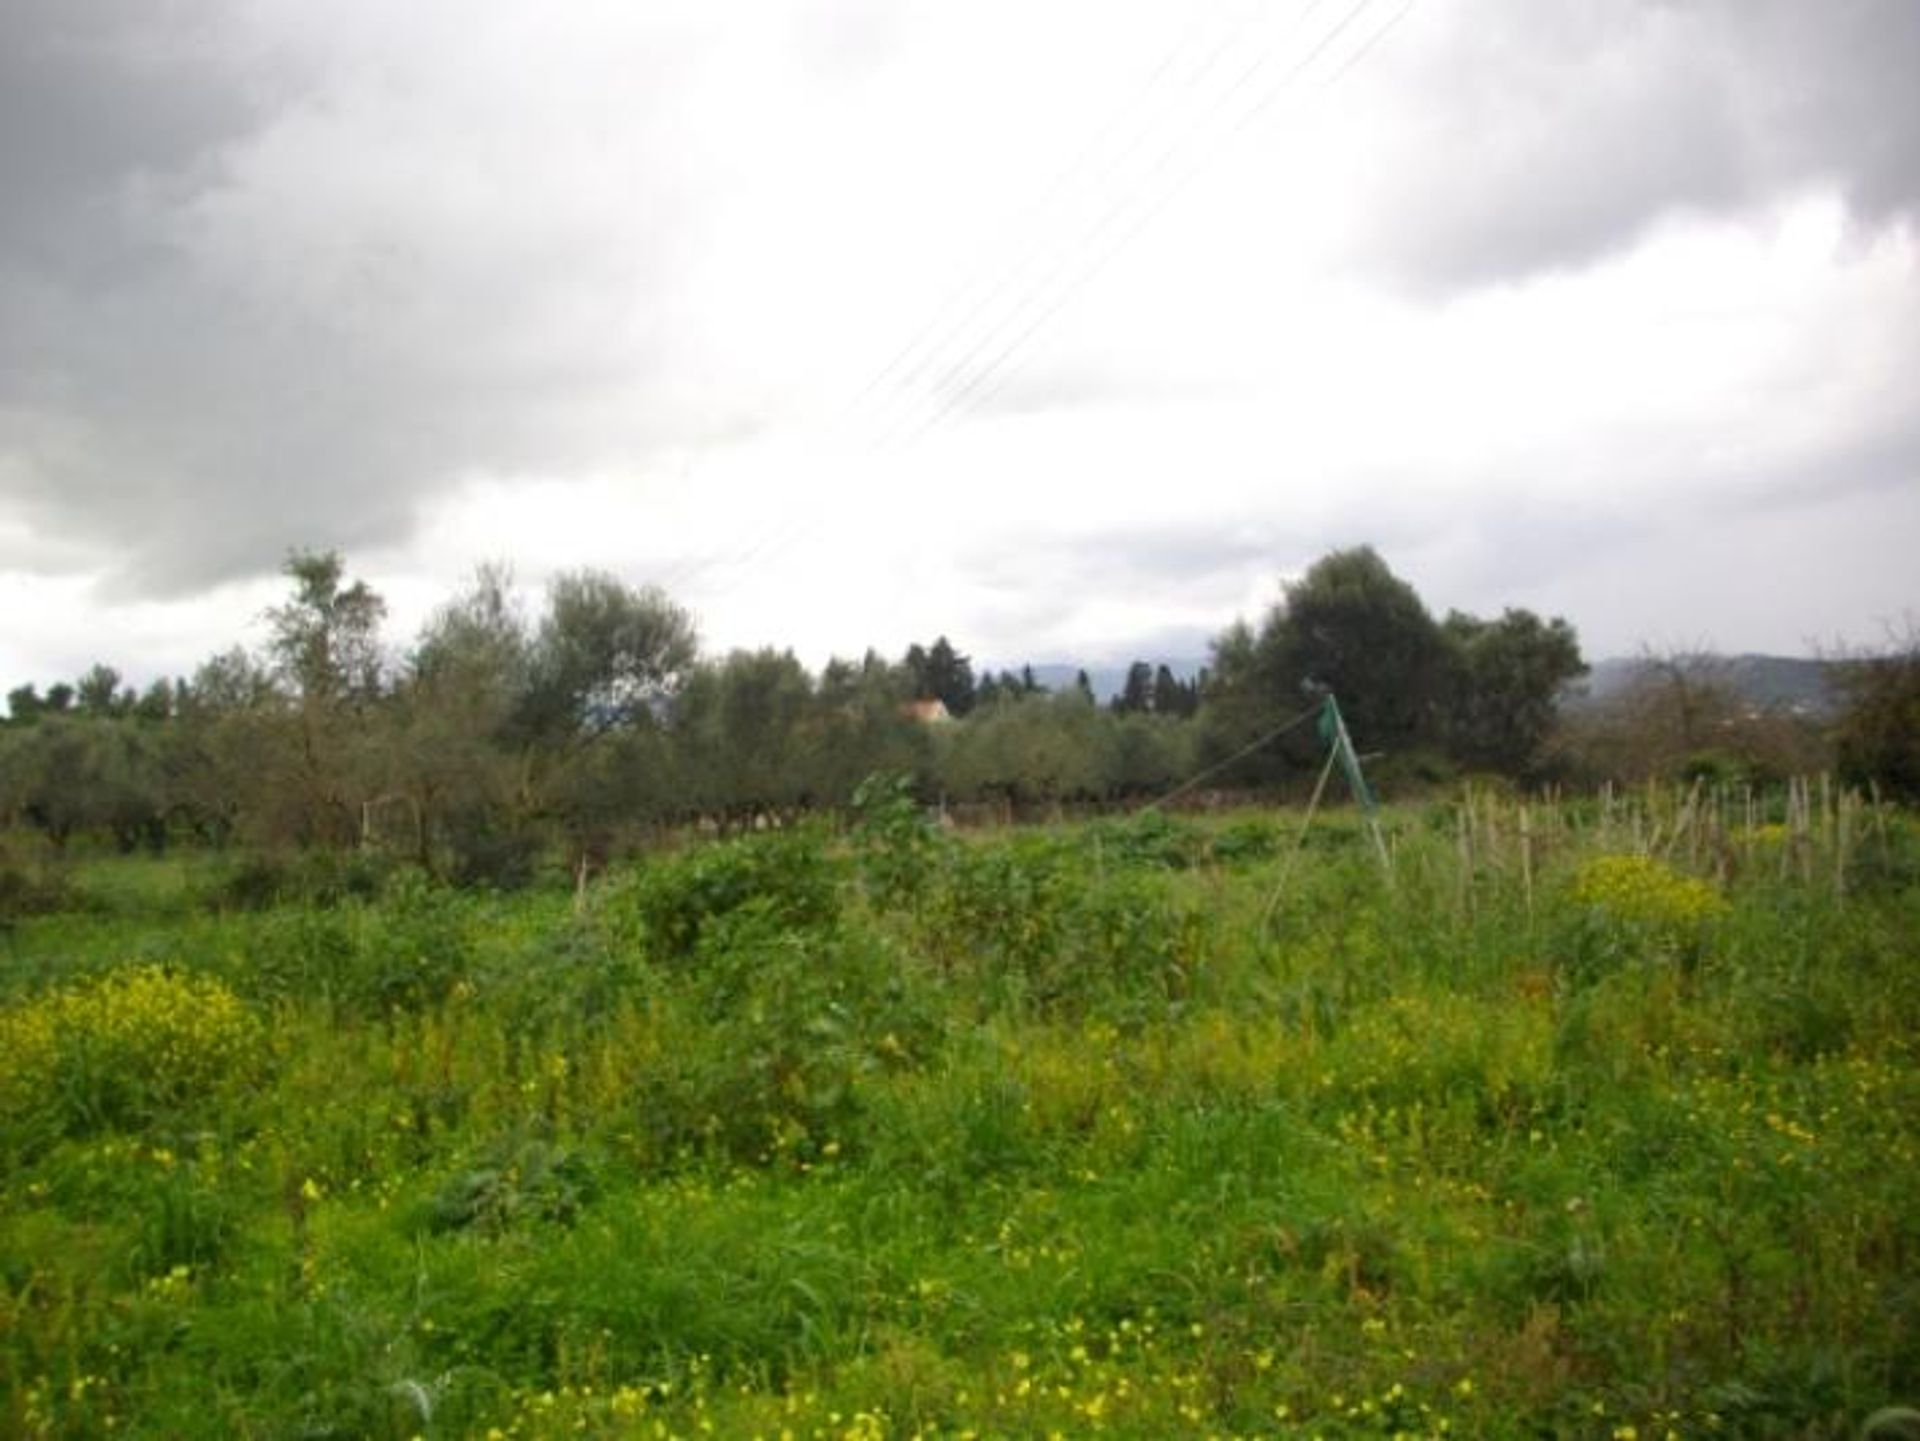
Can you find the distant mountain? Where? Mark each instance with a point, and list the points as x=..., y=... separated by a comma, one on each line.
x=1766, y=682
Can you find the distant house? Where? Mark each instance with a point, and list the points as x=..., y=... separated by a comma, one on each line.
x=928, y=712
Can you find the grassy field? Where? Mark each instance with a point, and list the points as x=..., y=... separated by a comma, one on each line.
x=1590, y=1119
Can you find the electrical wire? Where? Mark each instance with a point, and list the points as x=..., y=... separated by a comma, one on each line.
x=1239, y=755
x=989, y=285
x=957, y=403
x=979, y=387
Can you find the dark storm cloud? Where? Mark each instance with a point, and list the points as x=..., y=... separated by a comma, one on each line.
x=93, y=92
x=274, y=274
x=1547, y=136
x=259, y=292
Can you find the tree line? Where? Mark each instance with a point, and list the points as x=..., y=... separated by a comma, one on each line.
x=501, y=729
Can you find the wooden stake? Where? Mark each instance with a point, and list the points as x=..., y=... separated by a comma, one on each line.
x=1464, y=825
x=1526, y=860
x=1843, y=827
x=1320, y=786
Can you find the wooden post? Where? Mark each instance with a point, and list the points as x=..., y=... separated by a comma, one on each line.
x=1286, y=871
x=1526, y=860
x=1843, y=826
x=1465, y=827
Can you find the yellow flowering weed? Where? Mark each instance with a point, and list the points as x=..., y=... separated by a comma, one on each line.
x=1642, y=892
x=123, y=1045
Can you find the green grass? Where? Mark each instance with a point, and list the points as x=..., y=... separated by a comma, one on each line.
x=1142, y=1128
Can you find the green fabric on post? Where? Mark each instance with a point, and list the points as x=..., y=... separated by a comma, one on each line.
x=1333, y=730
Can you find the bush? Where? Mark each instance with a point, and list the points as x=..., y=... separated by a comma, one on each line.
x=1151, y=838
x=1629, y=907
x=1245, y=842
x=896, y=848
x=770, y=1068
x=129, y=1047
x=1002, y=906
x=787, y=875
x=407, y=952
x=1879, y=731
x=1716, y=768
x=1640, y=891
x=263, y=879
x=27, y=893
x=531, y=1181
x=1130, y=943
x=414, y=949
x=484, y=850
x=1032, y=918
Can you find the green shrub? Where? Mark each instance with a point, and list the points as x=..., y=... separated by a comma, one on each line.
x=31, y=890
x=517, y=1182
x=407, y=951
x=895, y=847
x=769, y=1067
x=413, y=947
x=1000, y=907
x=487, y=851
x=259, y=880
x=1151, y=838
x=573, y=976
x=788, y=874
x=1244, y=842
x=1038, y=927
x=1130, y=944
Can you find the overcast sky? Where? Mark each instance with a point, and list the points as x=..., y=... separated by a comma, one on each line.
x=1069, y=328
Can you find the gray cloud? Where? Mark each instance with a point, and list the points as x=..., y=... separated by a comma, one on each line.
x=93, y=92
x=1126, y=559
x=272, y=288
x=1547, y=136
x=280, y=277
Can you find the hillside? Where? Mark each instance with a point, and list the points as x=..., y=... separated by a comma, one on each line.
x=1765, y=682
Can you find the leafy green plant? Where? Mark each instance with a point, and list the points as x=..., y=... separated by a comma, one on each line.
x=259, y=880
x=775, y=1073
x=1151, y=838
x=407, y=951
x=30, y=889
x=895, y=846
x=1245, y=842
x=517, y=1182
x=787, y=873
x=1000, y=907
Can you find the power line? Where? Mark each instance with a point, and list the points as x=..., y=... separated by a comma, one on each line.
x=958, y=401
x=1367, y=45
x=1052, y=194
x=780, y=533
x=1239, y=755
x=1066, y=285
x=1059, y=276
